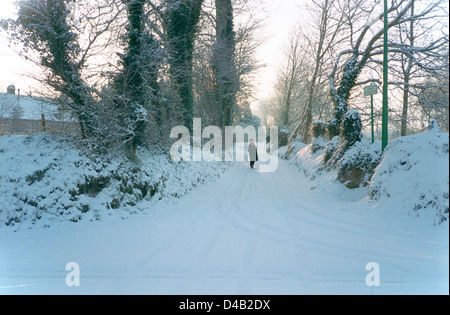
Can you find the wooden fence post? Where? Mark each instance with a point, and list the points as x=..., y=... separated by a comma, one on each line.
x=43, y=123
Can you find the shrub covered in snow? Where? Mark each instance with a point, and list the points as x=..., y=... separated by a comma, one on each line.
x=350, y=133
x=333, y=128
x=45, y=179
x=319, y=129
x=353, y=168
x=351, y=159
x=358, y=164
x=414, y=174
x=354, y=158
x=351, y=128
x=283, y=136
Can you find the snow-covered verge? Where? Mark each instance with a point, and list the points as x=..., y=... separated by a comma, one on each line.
x=45, y=179
x=312, y=160
x=412, y=176
x=247, y=233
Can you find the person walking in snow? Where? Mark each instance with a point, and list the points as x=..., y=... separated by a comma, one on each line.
x=253, y=152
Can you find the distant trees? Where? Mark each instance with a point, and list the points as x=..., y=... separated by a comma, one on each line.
x=434, y=100
x=329, y=24
x=290, y=82
x=284, y=107
x=302, y=89
x=365, y=48
x=420, y=67
x=127, y=69
x=343, y=50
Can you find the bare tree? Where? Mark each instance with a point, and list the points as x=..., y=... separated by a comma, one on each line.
x=364, y=47
x=290, y=80
x=290, y=86
x=419, y=63
x=432, y=94
x=286, y=107
x=407, y=68
x=6, y=105
x=46, y=35
x=302, y=87
x=224, y=61
x=42, y=27
x=322, y=38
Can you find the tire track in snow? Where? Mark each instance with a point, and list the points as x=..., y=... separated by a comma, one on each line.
x=185, y=220
x=256, y=219
x=232, y=207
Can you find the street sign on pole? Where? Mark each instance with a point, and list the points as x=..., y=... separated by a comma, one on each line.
x=371, y=90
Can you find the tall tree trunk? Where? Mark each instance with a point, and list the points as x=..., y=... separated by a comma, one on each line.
x=224, y=61
x=64, y=67
x=406, y=80
x=352, y=69
x=132, y=70
x=181, y=19
x=288, y=99
x=404, y=118
x=318, y=63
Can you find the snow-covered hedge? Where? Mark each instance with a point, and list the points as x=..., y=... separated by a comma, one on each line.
x=358, y=163
x=44, y=179
x=353, y=168
x=414, y=174
x=352, y=158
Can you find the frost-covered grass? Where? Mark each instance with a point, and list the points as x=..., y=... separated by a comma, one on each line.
x=44, y=179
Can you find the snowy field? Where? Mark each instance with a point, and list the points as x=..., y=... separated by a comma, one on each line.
x=245, y=233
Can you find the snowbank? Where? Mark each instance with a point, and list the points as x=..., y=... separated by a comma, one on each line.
x=313, y=160
x=44, y=179
x=414, y=175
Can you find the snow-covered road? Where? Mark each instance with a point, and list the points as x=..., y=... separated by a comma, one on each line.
x=247, y=233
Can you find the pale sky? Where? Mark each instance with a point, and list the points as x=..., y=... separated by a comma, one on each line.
x=11, y=65
x=283, y=15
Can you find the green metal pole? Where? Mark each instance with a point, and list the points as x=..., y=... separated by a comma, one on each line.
x=371, y=110
x=384, y=135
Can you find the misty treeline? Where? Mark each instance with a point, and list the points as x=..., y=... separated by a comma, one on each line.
x=131, y=70
x=338, y=50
